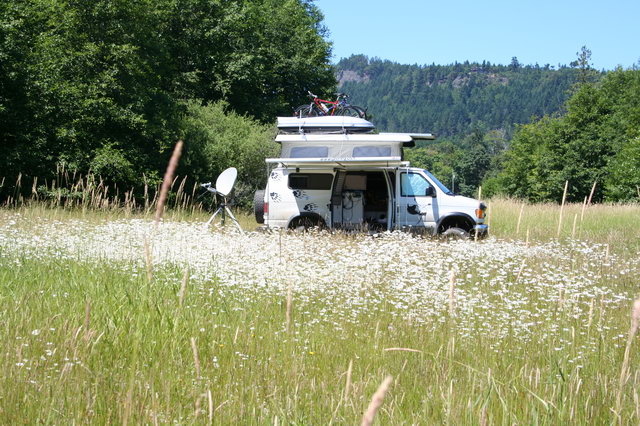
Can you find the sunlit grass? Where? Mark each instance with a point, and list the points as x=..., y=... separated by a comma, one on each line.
x=536, y=335
x=616, y=225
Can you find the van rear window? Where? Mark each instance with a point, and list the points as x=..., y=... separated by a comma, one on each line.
x=310, y=180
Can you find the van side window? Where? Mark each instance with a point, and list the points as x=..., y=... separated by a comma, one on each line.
x=413, y=185
x=309, y=152
x=372, y=151
x=310, y=180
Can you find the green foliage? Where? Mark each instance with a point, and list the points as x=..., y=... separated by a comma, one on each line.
x=258, y=55
x=216, y=140
x=623, y=181
x=583, y=64
x=594, y=141
x=452, y=100
x=464, y=165
x=102, y=85
x=111, y=164
x=88, y=80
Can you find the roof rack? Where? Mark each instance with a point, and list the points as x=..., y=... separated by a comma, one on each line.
x=326, y=125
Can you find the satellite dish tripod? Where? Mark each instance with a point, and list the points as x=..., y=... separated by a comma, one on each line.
x=224, y=185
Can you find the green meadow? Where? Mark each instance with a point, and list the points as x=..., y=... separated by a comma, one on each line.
x=105, y=318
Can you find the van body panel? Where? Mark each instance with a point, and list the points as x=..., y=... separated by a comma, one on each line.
x=287, y=202
x=294, y=192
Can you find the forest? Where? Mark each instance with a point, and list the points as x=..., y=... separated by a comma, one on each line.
x=453, y=100
x=516, y=130
x=105, y=88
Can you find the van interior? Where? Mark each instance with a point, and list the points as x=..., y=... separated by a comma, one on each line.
x=360, y=199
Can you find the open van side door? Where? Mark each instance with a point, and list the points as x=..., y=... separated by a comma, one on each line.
x=414, y=200
x=336, y=197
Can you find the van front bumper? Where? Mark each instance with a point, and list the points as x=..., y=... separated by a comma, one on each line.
x=480, y=230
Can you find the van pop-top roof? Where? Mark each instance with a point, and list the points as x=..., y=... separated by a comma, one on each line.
x=340, y=140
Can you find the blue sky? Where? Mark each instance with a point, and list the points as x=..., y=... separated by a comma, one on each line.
x=543, y=31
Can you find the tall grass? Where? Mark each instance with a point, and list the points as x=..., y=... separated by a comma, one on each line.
x=143, y=359
x=101, y=341
x=614, y=224
x=71, y=191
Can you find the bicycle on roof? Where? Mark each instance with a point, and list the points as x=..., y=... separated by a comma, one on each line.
x=321, y=107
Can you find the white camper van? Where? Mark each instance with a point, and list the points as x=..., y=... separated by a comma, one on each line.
x=337, y=172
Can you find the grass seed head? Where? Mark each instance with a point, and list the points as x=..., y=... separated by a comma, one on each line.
x=376, y=402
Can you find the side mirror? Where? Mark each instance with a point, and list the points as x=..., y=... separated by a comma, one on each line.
x=413, y=209
x=430, y=191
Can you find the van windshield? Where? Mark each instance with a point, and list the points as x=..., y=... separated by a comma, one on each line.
x=437, y=182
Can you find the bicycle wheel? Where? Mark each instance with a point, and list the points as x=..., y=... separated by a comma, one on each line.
x=351, y=111
x=304, y=111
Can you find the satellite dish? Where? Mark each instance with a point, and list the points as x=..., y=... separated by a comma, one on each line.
x=224, y=186
x=224, y=183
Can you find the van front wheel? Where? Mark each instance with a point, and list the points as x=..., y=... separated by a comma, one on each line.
x=455, y=233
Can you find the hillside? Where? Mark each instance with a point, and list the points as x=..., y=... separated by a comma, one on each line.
x=452, y=100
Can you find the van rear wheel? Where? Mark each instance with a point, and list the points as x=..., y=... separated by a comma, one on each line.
x=304, y=223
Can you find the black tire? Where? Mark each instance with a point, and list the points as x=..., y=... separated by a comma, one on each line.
x=258, y=205
x=304, y=223
x=361, y=111
x=304, y=111
x=455, y=233
x=351, y=111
